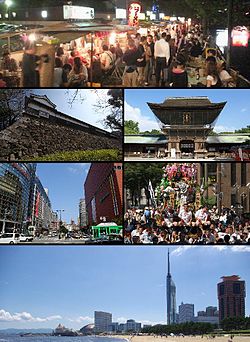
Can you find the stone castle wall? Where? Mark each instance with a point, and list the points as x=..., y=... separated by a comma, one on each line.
x=34, y=136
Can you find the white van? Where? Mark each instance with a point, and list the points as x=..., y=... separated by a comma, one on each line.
x=10, y=238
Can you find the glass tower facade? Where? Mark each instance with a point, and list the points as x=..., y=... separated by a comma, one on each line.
x=15, y=187
x=171, y=297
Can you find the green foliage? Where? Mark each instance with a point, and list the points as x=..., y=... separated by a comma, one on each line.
x=235, y=323
x=243, y=130
x=214, y=12
x=188, y=328
x=92, y=155
x=210, y=201
x=137, y=176
x=153, y=131
x=131, y=127
x=63, y=229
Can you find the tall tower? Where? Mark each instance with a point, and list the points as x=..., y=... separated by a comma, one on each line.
x=171, y=297
x=231, y=296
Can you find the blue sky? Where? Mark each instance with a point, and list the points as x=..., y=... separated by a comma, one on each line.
x=83, y=110
x=41, y=286
x=65, y=182
x=235, y=115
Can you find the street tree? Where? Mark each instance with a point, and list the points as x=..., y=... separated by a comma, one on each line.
x=12, y=102
x=137, y=176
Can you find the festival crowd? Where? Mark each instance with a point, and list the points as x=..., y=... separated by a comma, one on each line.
x=185, y=226
x=178, y=216
x=159, y=58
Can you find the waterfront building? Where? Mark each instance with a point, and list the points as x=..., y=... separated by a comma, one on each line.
x=103, y=192
x=207, y=319
x=186, y=313
x=231, y=297
x=83, y=218
x=102, y=321
x=113, y=327
x=16, y=181
x=209, y=315
x=171, y=297
x=132, y=326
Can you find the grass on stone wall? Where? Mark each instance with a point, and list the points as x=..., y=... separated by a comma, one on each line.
x=92, y=155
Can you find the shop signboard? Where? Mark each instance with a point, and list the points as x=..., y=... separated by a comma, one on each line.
x=78, y=12
x=133, y=13
x=240, y=36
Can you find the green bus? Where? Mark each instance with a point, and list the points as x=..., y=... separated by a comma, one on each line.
x=105, y=229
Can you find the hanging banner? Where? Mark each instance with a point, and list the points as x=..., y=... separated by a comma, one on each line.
x=240, y=36
x=133, y=13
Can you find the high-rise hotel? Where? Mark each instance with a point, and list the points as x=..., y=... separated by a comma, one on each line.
x=231, y=296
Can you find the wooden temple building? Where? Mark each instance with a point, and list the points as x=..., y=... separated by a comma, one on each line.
x=186, y=124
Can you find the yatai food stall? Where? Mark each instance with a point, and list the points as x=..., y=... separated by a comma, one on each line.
x=87, y=38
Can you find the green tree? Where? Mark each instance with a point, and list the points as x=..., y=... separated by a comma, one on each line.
x=137, y=176
x=152, y=132
x=213, y=13
x=243, y=130
x=131, y=127
x=63, y=229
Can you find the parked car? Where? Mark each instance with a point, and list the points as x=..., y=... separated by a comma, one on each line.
x=9, y=238
x=25, y=238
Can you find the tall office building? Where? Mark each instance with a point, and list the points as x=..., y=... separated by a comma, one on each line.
x=83, y=218
x=186, y=313
x=171, y=297
x=231, y=296
x=103, y=321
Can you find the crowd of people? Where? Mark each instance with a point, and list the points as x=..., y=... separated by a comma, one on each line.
x=166, y=54
x=185, y=226
x=177, y=215
x=158, y=58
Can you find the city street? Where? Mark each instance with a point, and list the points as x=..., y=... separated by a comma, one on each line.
x=77, y=46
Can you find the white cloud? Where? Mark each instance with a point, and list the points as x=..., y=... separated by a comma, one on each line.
x=243, y=110
x=221, y=128
x=79, y=168
x=233, y=249
x=219, y=248
x=81, y=319
x=180, y=250
x=6, y=316
x=86, y=319
x=121, y=319
x=145, y=123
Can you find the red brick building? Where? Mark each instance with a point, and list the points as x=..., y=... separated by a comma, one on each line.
x=231, y=297
x=103, y=192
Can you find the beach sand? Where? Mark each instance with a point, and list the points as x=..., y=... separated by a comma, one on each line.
x=183, y=339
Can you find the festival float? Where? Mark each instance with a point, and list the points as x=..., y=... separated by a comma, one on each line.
x=179, y=186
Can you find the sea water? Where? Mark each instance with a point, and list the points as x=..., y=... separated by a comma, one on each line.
x=18, y=338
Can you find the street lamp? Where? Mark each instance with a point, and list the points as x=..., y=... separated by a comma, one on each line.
x=60, y=211
x=6, y=212
x=8, y=3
